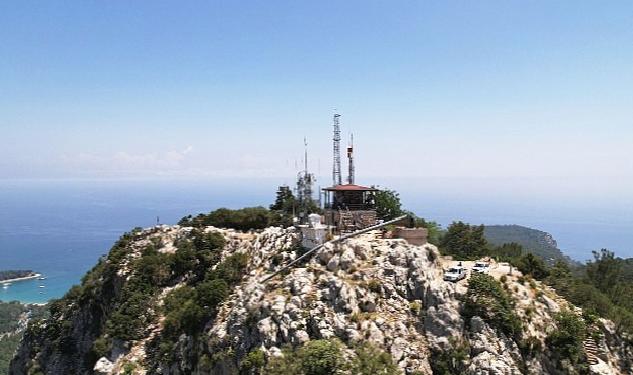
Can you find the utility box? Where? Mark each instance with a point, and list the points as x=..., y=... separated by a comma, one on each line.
x=313, y=234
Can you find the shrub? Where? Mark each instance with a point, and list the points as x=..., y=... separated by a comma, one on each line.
x=128, y=368
x=183, y=260
x=242, y=219
x=415, y=307
x=532, y=284
x=452, y=361
x=188, y=319
x=321, y=357
x=530, y=346
x=211, y=293
x=177, y=297
x=253, y=363
x=371, y=361
x=132, y=314
x=197, y=253
x=101, y=347
x=531, y=265
x=231, y=269
x=487, y=299
x=374, y=285
x=316, y=357
x=188, y=308
x=566, y=342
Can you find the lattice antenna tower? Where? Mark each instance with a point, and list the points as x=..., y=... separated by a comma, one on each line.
x=309, y=177
x=305, y=182
x=336, y=168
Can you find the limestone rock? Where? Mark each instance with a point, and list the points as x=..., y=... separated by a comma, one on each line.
x=367, y=289
x=103, y=366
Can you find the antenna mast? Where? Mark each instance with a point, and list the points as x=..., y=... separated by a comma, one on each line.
x=336, y=168
x=350, y=161
x=305, y=182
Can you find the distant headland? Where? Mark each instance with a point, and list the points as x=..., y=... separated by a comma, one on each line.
x=10, y=276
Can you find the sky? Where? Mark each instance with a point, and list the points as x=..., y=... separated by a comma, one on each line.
x=521, y=97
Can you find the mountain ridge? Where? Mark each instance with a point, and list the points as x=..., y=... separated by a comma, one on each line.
x=182, y=300
x=536, y=241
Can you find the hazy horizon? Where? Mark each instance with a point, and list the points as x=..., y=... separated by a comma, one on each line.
x=491, y=112
x=527, y=97
x=580, y=225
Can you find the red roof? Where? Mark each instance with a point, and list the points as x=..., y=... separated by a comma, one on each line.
x=350, y=187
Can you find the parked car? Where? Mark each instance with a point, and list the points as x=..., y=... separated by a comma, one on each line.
x=481, y=267
x=455, y=273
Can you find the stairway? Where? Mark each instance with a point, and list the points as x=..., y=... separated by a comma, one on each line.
x=591, y=350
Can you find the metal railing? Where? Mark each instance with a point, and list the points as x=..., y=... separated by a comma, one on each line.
x=340, y=239
x=351, y=207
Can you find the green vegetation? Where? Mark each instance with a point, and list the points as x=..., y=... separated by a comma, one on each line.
x=242, y=219
x=131, y=304
x=508, y=252
x=535, y=241
x=10, y=334
x=464, y=241
x=452, y=361
x=188, y=308
x=531, y=265
x=371, y=361
x=250, y=218
x=204, y=280
x=524, y=247
x=10, y=313
x=603, y=287
x=468, y=242
x=566, y=343
x=132, y=309
x=317, y=357
x=15, y=274
x=8, y=345
x=388, y=206
x=487, y=299
x=285, y=201
x=253, y=363
x=286, y=205
x=325, y=357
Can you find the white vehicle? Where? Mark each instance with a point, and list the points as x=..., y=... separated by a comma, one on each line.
x=481, y=267
x=455, y=273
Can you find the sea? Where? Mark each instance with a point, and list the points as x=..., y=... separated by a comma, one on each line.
x=60, y=228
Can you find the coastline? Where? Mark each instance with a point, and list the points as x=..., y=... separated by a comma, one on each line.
x=35, y=276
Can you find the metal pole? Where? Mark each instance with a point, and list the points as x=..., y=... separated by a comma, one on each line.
x=336, y=240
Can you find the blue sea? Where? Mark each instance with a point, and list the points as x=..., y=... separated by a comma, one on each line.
x=60, y=228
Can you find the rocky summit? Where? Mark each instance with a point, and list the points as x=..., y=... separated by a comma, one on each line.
x=182, y=300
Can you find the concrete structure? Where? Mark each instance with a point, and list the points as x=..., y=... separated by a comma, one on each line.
x=315, y=233
x=414, y=236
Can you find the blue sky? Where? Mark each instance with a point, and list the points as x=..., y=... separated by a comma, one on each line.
x=509, y=91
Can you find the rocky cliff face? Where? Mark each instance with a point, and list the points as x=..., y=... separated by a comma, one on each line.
x=384, y=292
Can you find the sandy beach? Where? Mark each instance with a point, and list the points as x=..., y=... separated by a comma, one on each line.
x=34, y=276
